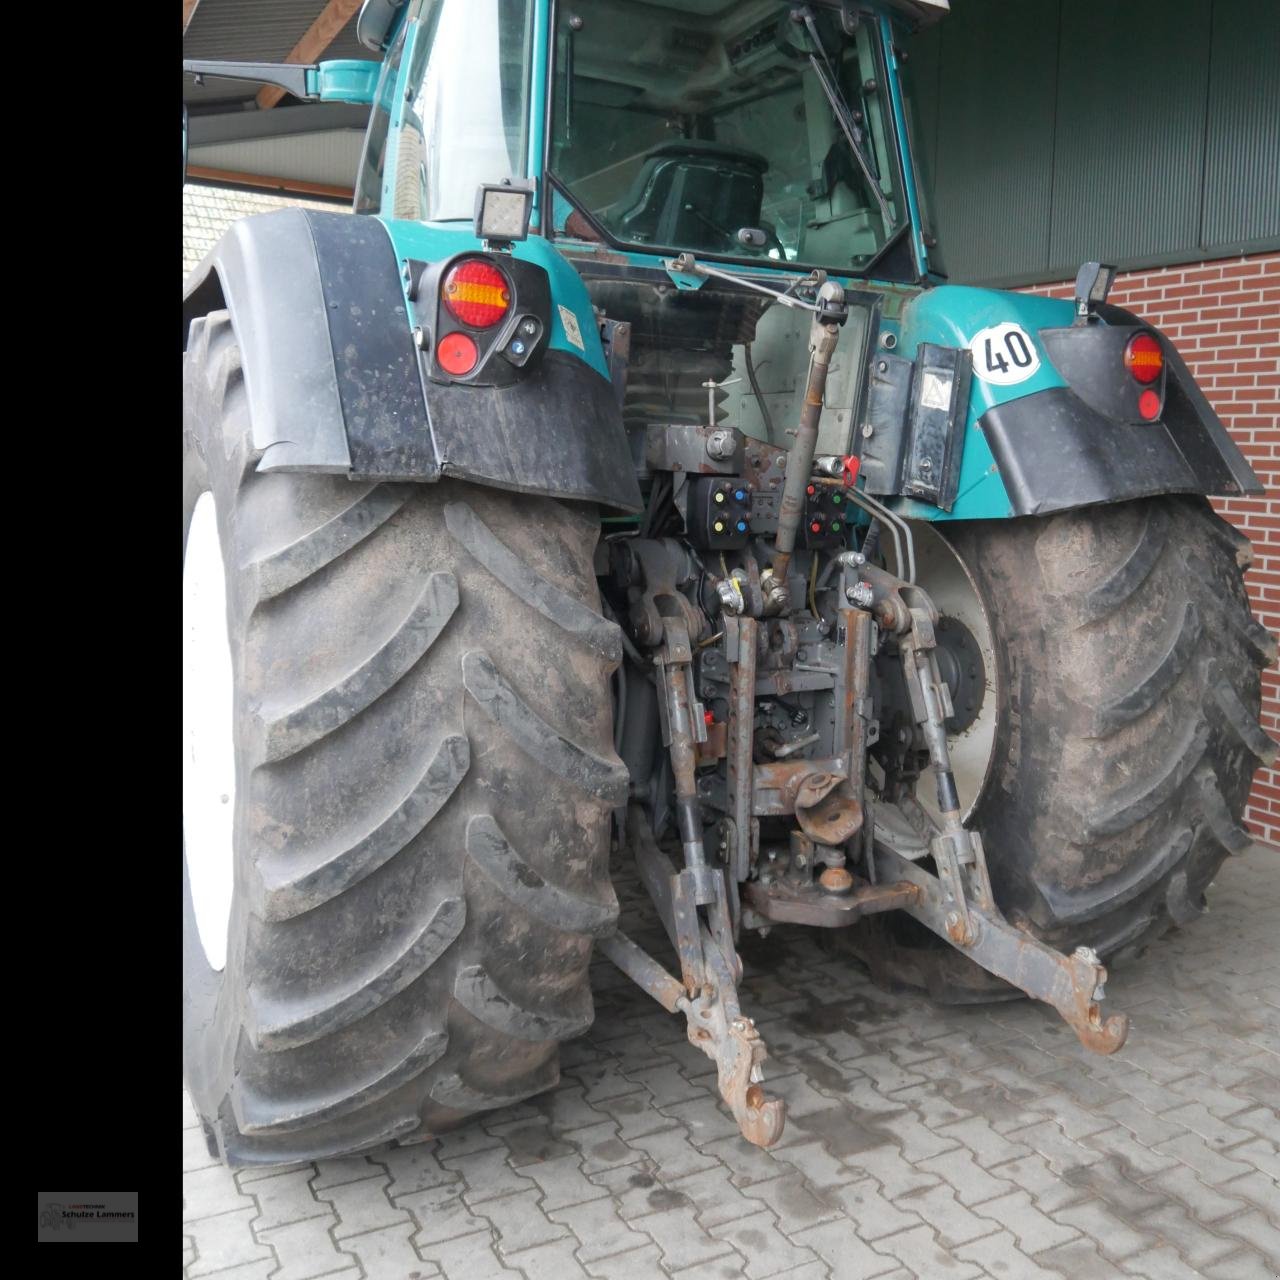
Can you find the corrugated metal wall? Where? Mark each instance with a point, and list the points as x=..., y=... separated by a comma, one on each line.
x=1054, y=131
x=331, y=156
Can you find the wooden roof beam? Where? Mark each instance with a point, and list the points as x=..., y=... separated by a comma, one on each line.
x=319, y=36
x=286, y=186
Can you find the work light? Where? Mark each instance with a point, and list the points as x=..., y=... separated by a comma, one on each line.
x=502, y=211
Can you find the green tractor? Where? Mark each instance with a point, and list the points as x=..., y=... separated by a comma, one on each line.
x=625, y=475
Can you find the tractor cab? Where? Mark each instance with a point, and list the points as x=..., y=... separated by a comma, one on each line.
x=764, y=134
x=767, y=140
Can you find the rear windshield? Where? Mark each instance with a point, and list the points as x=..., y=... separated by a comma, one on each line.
x=746, y=133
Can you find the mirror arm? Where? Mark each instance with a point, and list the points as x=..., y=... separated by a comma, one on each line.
x=297, y=79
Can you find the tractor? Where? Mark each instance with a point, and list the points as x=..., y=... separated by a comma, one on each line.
x=621, y=478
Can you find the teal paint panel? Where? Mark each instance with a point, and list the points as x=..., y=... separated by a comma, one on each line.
x=538, y=99
x=1129, y=155
x=909, y=176
x=951, y=316
x=431, y=241
x=345, y=80
x=994, y=178
x=919, y=70
x=1242, y=161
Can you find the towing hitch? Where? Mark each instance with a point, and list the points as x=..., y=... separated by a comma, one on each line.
x=706, y=993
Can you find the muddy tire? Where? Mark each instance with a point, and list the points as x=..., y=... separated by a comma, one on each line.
x=1127, y=736
x=424, y=777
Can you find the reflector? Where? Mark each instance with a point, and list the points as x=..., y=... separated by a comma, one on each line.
x=457, y=354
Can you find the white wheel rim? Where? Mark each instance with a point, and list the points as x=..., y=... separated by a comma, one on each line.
x=943, y=575
x=208, y=744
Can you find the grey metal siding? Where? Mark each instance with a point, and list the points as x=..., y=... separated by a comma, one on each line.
x=1242, y=169
x=1128, y=160
x=995, y=132
x=1065, y=130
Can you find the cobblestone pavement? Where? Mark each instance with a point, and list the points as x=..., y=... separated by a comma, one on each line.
x=920, y=1142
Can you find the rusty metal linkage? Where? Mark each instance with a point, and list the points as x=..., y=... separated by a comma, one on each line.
x=814, y=905
x=1073, y=984
x=708, y=995
x=741, y=735
x=957, y=903
x=823, y=335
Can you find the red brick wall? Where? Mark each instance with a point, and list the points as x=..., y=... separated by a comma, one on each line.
x=1224, y=317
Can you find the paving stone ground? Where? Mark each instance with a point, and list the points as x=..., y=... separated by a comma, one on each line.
x=940, y=1144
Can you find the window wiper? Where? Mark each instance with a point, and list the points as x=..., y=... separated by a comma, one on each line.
x=844, y=117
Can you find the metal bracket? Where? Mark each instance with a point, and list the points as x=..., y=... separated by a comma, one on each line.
x=1071, y=984
x=957, y=903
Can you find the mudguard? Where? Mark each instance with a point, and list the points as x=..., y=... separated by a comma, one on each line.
x=1063, y=437
x=335, y=383
x=1067, y=447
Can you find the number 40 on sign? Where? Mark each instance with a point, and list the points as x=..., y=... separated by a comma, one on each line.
x=1003, y=354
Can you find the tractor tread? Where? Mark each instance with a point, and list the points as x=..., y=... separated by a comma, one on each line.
x=257, y=1114
x=557, y=908
x=284, y=568
x=1098, y=900
x=285, y=1022
x=1125, y=808
x=240, y=1151
x=1228, y=833
x=1126, y=578
x=457, y=1094
x=556, y=605
x=1136, y=702
x=316, y=714
x=308, y=878
x=481, y=996
x=1238, y=720
x=1260, y=642
x=604, y=777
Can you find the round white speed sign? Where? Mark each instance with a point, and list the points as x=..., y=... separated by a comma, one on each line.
x=1003, y=354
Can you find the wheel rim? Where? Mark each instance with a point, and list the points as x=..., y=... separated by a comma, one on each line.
x=941, y=572
x=208, y=745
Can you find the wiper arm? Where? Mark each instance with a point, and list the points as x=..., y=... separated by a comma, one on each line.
x=844, y=117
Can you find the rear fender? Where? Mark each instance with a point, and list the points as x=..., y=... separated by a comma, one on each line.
x=336, y=383
x=1036, y=444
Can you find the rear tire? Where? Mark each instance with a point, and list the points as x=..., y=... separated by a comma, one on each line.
x=1128, y=734
x=424, y=778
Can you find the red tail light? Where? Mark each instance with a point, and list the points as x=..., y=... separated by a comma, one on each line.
x=476, y=293
x=1149, y=404
x=1143, y=358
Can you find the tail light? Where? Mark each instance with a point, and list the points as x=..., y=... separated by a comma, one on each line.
x=482, y=320
x=1143, y=358
x=476, y=293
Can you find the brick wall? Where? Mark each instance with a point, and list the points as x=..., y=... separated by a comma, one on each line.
x=1224, y=318
x=208, y=211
